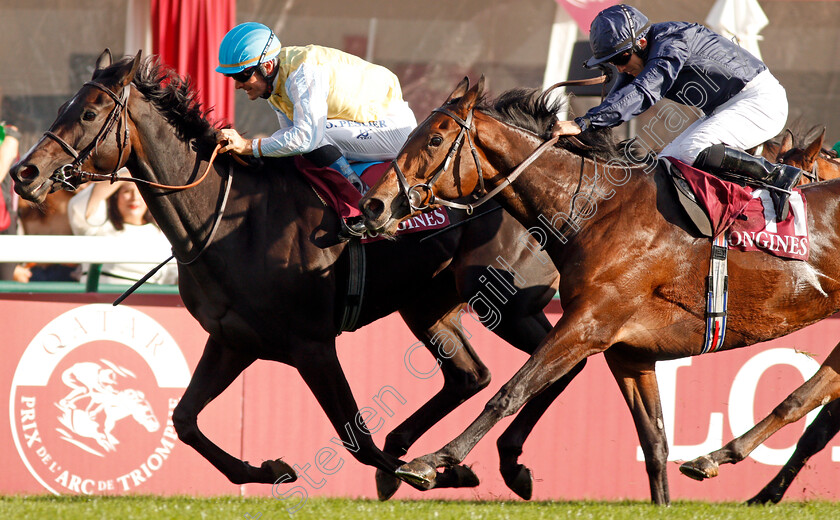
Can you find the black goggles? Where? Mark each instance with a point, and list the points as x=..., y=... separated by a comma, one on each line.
x=622, y=59
x=243, y=75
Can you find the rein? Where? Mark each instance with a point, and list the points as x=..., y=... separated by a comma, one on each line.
x=413, y=193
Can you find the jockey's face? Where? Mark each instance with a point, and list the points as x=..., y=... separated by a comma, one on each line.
x=257, y=86
x=635, y=65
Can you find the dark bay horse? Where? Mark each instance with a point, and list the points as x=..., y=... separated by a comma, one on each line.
x=632, y=268
x=263, y=273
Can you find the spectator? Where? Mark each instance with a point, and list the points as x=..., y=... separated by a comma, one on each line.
x=105, y=209
x=9, y=144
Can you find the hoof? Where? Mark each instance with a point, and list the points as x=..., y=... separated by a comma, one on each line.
x=417, y=473
x=277, y=470
x=386, y=485
x=457, y=477
x=700, y=468
x=520, y=480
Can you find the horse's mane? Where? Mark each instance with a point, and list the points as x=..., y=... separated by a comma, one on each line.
x=533, y=110
x=175, y=97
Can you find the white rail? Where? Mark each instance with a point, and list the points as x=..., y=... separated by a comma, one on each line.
x=77, y=249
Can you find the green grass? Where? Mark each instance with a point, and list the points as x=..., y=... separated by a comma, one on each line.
x=185, y=508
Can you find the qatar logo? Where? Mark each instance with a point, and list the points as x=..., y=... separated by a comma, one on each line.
x=92, y=399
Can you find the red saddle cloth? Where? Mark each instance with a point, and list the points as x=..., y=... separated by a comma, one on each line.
x=340, y=195
x=747, y=215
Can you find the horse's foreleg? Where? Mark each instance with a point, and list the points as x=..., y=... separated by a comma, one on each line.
x=216, y=370
x=571, y=341
x=519, y=477
x=464, y=375
x=637, y=381
x=821, y=389
x=816, y=437
x=526, y=333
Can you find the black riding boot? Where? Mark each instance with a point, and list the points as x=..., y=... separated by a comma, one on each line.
x=722, y=159
x=330, y=156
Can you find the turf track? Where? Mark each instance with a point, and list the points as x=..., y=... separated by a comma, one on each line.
x=184, y=508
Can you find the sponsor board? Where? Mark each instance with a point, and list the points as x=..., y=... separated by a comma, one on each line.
x=91, y=400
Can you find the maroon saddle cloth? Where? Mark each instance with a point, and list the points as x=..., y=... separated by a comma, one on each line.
x=747, y=215
x=339, y=194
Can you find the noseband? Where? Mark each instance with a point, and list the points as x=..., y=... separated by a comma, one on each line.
x=66, y=173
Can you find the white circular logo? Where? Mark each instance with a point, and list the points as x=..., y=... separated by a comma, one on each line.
x=92, y=398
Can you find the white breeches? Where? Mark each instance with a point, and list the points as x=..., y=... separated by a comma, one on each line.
x=756, y=114
x=379, y=140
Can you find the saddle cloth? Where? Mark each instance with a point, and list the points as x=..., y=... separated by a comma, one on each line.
x=746, y=214
x=340, y=195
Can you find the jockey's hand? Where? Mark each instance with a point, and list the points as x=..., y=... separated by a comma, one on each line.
x=231, y=141
x=562, y=128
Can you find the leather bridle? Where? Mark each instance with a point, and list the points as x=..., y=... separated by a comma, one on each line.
x=66, y=173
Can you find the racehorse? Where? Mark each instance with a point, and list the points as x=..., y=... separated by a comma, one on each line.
x=632, y=268
x=812, y=158
x=260, y=266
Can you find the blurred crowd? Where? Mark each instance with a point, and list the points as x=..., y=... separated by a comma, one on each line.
x=95, y=209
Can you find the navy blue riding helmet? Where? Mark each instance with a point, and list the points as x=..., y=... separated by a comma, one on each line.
x=616, y=29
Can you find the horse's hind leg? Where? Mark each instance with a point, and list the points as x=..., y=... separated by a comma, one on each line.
x=816, y=437
x=637, y=381
x=822, y=388
x=216, y=370
x=464, y=375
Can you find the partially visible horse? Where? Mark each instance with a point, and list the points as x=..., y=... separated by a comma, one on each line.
x=632, y=269
x=261, y=269
x=812, y=157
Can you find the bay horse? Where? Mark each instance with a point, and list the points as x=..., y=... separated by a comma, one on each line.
x=810, y=157
x=632, y=267
x=261, y=269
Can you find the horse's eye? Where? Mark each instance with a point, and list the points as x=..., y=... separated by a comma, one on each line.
x=89, y=115
x=436, y=140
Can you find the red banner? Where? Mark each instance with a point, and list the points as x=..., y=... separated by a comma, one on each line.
x=186, y=35
x=89, y=389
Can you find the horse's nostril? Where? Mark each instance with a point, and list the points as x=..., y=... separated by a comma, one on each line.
x=373, y=208
x=25, y=172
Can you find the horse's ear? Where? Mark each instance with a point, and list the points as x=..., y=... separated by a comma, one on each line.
x=787, y=142
x=460, y=90
x=813, y=149
x=134, y=66
x=103, y=61
x=475, y=92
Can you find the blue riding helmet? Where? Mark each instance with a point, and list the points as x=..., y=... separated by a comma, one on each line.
x=246, y=45
x=615, y=30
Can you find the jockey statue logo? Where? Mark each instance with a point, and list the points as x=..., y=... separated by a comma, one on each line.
x=95, y=404
x=92, y=398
